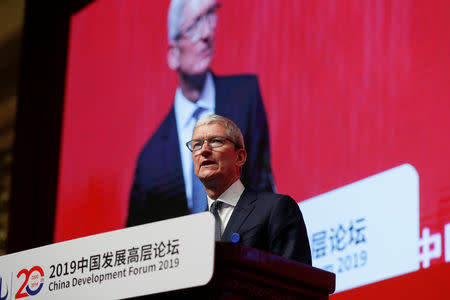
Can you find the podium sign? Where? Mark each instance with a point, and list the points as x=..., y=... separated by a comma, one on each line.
x=141, y=260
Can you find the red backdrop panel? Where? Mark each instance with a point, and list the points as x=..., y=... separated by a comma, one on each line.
x=351, y=88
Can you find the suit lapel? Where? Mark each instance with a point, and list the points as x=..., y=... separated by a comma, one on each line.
x=170, y=139
x=223, y=106
x=240, y=213
x=171, y=161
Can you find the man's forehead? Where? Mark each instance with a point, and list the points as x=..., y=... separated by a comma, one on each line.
x=195, y=8
x=207, y=130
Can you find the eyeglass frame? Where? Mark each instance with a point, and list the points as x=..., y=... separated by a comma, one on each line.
x=209, y=144
x=195, y=26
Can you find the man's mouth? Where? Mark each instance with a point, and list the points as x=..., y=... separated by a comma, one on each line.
x=206, y=51
x=206, y=163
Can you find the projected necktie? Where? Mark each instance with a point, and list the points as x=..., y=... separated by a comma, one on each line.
x=199, y=201
x=215, y=206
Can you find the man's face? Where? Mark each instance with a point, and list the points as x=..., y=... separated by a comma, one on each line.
x=221, y=165
x=193, y=51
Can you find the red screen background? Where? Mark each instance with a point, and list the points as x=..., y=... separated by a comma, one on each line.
x=351, y=88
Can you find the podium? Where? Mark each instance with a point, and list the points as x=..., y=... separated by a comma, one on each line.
x=171, y=259
x=242, y=272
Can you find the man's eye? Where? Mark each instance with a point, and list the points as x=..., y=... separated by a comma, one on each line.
x=196, y=145
x=190, y=29
x=216, y=142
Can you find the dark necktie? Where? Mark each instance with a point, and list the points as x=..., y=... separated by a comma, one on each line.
x=215, y=206
x=199, y=201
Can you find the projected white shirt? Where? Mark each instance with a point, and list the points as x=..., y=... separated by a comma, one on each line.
x=184, y=109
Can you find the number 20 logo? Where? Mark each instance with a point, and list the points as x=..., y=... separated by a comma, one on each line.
x=34, y=280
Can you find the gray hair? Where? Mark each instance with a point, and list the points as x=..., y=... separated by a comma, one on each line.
x=175, y=18
x=232, y=130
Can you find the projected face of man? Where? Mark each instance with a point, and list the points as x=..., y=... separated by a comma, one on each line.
x=192, y=52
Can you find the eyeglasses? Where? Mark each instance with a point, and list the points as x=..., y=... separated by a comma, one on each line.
x=213, y=142
x=193, y=32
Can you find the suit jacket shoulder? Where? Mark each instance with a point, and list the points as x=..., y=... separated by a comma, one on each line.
x=270, y=222
x=241, y=90
x=238, y=98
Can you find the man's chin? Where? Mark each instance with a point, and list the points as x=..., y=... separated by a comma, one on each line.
x=202, y=66
x=207, y=176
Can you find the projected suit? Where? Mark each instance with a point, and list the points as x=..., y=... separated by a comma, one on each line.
x=158, y=190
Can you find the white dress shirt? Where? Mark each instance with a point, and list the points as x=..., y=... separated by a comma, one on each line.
x=229, y=198
x=184, y=109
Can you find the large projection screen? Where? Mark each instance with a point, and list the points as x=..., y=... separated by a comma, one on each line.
x=356, y=95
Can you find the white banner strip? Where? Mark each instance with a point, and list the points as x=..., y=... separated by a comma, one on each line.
x=147, y=259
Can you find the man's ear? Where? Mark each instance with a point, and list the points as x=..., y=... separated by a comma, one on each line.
x=173, y=57
x=241, y=157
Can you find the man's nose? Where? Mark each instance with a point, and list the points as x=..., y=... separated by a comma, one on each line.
x=206, y=148
x=205, y=30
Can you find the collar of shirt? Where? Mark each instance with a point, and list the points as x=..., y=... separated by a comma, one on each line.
x=231, y=196
x=230, y=199
x=184, y=108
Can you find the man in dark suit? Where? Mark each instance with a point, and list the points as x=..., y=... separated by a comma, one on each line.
x=262, y=220
x=164, y=185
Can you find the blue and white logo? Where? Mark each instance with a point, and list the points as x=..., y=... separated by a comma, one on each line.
x=3, y=289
